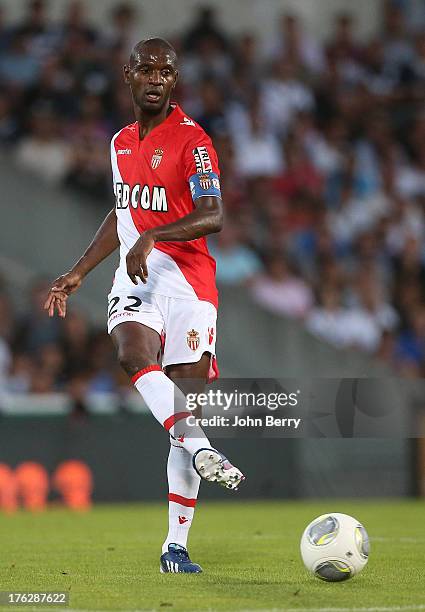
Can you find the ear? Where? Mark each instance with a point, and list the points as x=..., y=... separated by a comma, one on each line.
x=126, y=73
x=176, y=77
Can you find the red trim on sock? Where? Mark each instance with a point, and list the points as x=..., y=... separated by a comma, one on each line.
x=184, y=501
x=139, y=374
x=172, y=420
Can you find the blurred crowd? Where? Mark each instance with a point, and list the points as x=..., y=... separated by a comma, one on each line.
x=321, y=148
x=39, y=354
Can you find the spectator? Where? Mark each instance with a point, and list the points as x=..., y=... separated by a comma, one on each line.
x=327, y=319
x=257, y=149
x=53, y=89
x=293, y=43
x=280, y=291
x=398, y=50
x=75, y=343
x=5, y=33
x=51, y=360
x=247, y=64
x=405, y=223
x=378, y=77
x=43, y=151
x=102, y=364
x=360, y=330
x=411, y=177
x=204, y=29
x=353, y=217
x=20, y=373
x=88, y=170
x=18, y=67
x=5, y=362
x=284, y=95
x=299, y=176
x=209, y=62
x=369, y=294
x=123, y=31
x=35, y=330
x=237, y=264
x=42, y=381
x=411, y=344
x=417, y=74
x=327, y=149
x=212, y=115
x=35, y=28
x=370, y=150
x=75, y=21
x=342, y=44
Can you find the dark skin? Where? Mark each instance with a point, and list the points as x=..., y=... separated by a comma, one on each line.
x=151, y=76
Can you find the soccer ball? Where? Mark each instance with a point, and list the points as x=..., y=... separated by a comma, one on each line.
x=335, y=547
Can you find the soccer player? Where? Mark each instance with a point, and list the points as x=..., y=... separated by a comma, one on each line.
x=163, y=302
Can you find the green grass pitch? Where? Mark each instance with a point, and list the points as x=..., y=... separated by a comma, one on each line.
x=108, y=559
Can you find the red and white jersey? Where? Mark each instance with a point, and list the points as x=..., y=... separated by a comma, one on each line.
x=156, y=181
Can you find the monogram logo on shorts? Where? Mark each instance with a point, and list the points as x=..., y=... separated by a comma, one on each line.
x=193, y=339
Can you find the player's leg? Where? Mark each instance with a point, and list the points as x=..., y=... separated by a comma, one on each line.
x=138, y=348
x=135, y=323
x=183, y=481
x=138, y=343
x=208, y=463
x=189, y=344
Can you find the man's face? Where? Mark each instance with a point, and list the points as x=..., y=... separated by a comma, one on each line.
x=152, y=76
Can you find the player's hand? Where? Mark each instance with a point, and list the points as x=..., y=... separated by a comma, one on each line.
x=61, y=289
x=137, y=257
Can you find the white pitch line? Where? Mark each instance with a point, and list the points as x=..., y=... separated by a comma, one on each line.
x=372, y=609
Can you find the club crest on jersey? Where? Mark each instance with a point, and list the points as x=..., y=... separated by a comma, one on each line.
x=202, y=160
x=157, y=158
x=193, y=339
x=205, y=181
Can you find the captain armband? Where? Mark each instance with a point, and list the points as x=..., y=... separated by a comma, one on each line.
x=205, y=184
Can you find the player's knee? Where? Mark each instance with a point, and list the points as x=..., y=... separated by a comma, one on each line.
x=132, y=359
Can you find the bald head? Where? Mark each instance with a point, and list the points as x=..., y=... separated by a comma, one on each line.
x=152, y=75
x=155, y=46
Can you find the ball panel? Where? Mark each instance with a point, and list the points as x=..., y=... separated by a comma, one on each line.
x=333, y=571
x=324, y=531
x=362, y=541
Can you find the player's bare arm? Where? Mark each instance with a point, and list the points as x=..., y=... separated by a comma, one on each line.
x=207, y=218
x=103, y=244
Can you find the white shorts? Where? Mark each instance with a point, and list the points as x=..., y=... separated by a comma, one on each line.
x=187, y=327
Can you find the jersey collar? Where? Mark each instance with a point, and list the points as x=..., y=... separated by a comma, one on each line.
x=173, y=119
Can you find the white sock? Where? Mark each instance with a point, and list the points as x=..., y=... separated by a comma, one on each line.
x=168, y=405
x=183, y=487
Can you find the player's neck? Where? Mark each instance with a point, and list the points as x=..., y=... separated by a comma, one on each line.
x=148, y=122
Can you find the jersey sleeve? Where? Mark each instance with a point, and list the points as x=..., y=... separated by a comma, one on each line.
x=201, y=169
